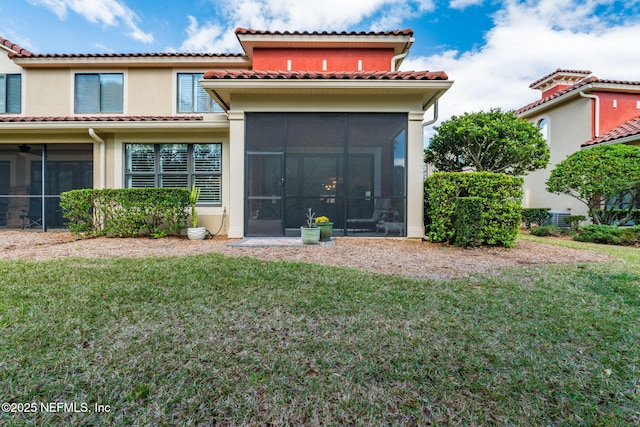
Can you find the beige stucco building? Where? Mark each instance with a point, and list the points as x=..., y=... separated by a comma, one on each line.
x=298, y=120
x=577, y=111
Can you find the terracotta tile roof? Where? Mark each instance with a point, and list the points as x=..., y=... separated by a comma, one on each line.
x=560, y=70
x=14, y=47
x=557, y=94
x=630, y=128
x=23, y=119
x=405, y=32
x=568, y=89
x=314, y=75
x=129, y=55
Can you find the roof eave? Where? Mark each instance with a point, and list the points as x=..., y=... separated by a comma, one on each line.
x=220, y=122
x=240, y=62
x=399, y=43
x=623, y=140
x=221, y=89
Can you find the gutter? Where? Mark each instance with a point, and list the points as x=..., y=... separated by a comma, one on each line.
x=597, y=112
x=103, y=156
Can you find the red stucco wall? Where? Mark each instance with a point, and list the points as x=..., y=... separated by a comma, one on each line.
x=611, y=118
x=312, y=59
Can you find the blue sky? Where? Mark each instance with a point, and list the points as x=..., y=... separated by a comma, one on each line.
x=492, y=49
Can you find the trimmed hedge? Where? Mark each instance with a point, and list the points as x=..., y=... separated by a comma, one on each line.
x=126, y=212
x=468, y=221
x=501, y=196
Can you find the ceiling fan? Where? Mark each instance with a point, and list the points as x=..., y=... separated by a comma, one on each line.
x=24, y=150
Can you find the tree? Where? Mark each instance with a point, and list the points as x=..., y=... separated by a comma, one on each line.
x=606, y=178
x=493, y=141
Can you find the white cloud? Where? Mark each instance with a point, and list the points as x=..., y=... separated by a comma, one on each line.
x=527, y=42
x=106, y=12
x=462, y=4
x=296, y=15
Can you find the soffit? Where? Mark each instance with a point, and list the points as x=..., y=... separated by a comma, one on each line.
x=428, y=85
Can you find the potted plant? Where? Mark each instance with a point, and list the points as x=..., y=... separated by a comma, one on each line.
x=310, y=234
x=194, y=232
x=326, y=228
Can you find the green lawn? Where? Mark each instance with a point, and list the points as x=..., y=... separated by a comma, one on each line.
x=206, y=339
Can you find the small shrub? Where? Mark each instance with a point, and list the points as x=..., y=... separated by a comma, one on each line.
x=609, y=235
x=468, y=222
x=574, y=221
x=546, y=230
x=535, y=216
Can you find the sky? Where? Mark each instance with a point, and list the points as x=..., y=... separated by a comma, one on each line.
x=492, y=49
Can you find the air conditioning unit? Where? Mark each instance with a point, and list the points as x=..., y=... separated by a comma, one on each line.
x=559, y=219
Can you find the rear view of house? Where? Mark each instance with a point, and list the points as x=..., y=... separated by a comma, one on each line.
x=299, y=120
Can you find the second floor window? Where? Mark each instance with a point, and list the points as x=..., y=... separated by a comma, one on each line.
x=10, y=93
x=192, y=98
x=99, y=93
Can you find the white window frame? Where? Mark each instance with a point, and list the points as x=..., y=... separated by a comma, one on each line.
x=124, y=75
x=213, y=105
x=191, y=174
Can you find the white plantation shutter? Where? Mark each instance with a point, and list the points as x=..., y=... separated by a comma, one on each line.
x=185, y=93
x=111, y=93
x=210, y=188
x=207, y=158
x=176, y=166
x=140, y=165
x=14, y=93
x=174, y=158
x=99, y=93
x=203, y=100
x=87, y=93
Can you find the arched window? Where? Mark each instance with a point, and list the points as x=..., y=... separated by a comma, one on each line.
x=543, y=125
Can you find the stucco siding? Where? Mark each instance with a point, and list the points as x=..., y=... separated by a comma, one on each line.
x=566, y=133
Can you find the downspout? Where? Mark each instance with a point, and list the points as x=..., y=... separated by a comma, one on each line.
x=597, y=113
x=103, y=157
x=435, y=116
x=395, y=59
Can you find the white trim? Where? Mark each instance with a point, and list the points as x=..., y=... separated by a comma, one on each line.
x=125, y=91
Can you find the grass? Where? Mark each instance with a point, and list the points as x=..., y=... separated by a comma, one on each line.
x=235, y=341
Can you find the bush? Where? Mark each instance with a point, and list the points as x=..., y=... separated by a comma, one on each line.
x=546, y=230
x=574, y=221
x=610, y=235
x=501, y=196
x=126, y=212
x=535, y=216
x=468, y=222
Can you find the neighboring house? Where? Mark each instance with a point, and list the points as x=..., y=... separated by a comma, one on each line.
x=300, y=119
x=577, y=111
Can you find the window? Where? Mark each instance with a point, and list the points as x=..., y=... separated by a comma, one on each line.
x=98, y=93
x=10, y=93
x=176, y=165
x=192, y=98
x=543, y=125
